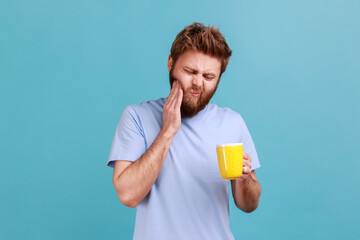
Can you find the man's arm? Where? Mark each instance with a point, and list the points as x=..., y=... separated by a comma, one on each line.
x=246, y=190
x=133, y=181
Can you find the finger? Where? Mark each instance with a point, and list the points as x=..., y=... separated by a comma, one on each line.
x=179, y=99
x=247, y=166
x=169, y=97
x=246, y=170
x=175, y=97
x=172, y=94
x=244, y=177
x=247, y=163
x=245, y=155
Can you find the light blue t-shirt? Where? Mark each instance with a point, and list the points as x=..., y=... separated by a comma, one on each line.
x=189, y=199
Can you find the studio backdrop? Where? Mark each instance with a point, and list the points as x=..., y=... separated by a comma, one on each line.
x=69, y=68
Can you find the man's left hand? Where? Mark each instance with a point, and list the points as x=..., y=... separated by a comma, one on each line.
x=246, y=167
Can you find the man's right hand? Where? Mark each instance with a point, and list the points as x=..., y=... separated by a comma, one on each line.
x=146, y=169
x=171, y=110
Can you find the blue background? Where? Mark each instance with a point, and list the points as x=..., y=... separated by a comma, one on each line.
x=69, y=68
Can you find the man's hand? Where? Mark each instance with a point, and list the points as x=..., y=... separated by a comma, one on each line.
x=146, y=169
x=171, y=110
x=246, y=190
x=246, y=167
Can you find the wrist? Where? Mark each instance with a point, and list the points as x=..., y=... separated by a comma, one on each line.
x=166, y=134
x=244, y=181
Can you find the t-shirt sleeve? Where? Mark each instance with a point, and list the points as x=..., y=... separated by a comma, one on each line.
x=249, y=146
x=129, y=139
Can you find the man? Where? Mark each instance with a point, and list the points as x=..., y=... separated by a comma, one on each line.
x=164, y=151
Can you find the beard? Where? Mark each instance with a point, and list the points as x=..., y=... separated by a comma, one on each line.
x=190, y=105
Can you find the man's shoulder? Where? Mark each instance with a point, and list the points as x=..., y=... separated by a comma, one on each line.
x=146, y=106
x=224, y=111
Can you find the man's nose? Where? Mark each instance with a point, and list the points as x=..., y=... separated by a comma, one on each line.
x=198, y=80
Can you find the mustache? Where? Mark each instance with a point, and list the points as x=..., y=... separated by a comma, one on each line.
x=196, y=89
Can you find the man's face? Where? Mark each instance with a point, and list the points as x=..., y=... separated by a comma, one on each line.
x=198, y=75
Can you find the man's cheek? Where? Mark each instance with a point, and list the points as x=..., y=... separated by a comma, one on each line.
x=182, y=86
x=185, y=81
x=184, y=89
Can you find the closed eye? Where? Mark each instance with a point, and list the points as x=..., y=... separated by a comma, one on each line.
x=190, y=72
x=209, y=77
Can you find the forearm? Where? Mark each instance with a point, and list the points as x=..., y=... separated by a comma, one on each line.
x=135, y=182
x=247, y=193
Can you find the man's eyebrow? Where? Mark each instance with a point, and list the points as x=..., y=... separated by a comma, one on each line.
x=195, y=70
x=210, y=74
x=190, y=68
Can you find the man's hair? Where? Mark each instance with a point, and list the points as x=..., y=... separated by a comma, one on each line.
x=207, y=40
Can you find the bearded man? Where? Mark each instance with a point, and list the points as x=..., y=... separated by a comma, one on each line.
x=164, y=151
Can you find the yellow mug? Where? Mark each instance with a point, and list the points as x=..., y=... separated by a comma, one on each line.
x=230, y=159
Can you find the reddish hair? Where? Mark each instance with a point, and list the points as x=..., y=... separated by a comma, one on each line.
x=207, y=40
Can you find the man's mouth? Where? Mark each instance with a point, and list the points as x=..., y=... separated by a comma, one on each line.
x=195, y=94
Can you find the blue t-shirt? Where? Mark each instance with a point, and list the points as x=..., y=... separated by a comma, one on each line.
x=189, y=199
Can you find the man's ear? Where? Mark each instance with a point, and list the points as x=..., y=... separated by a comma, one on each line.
x=170, y=62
